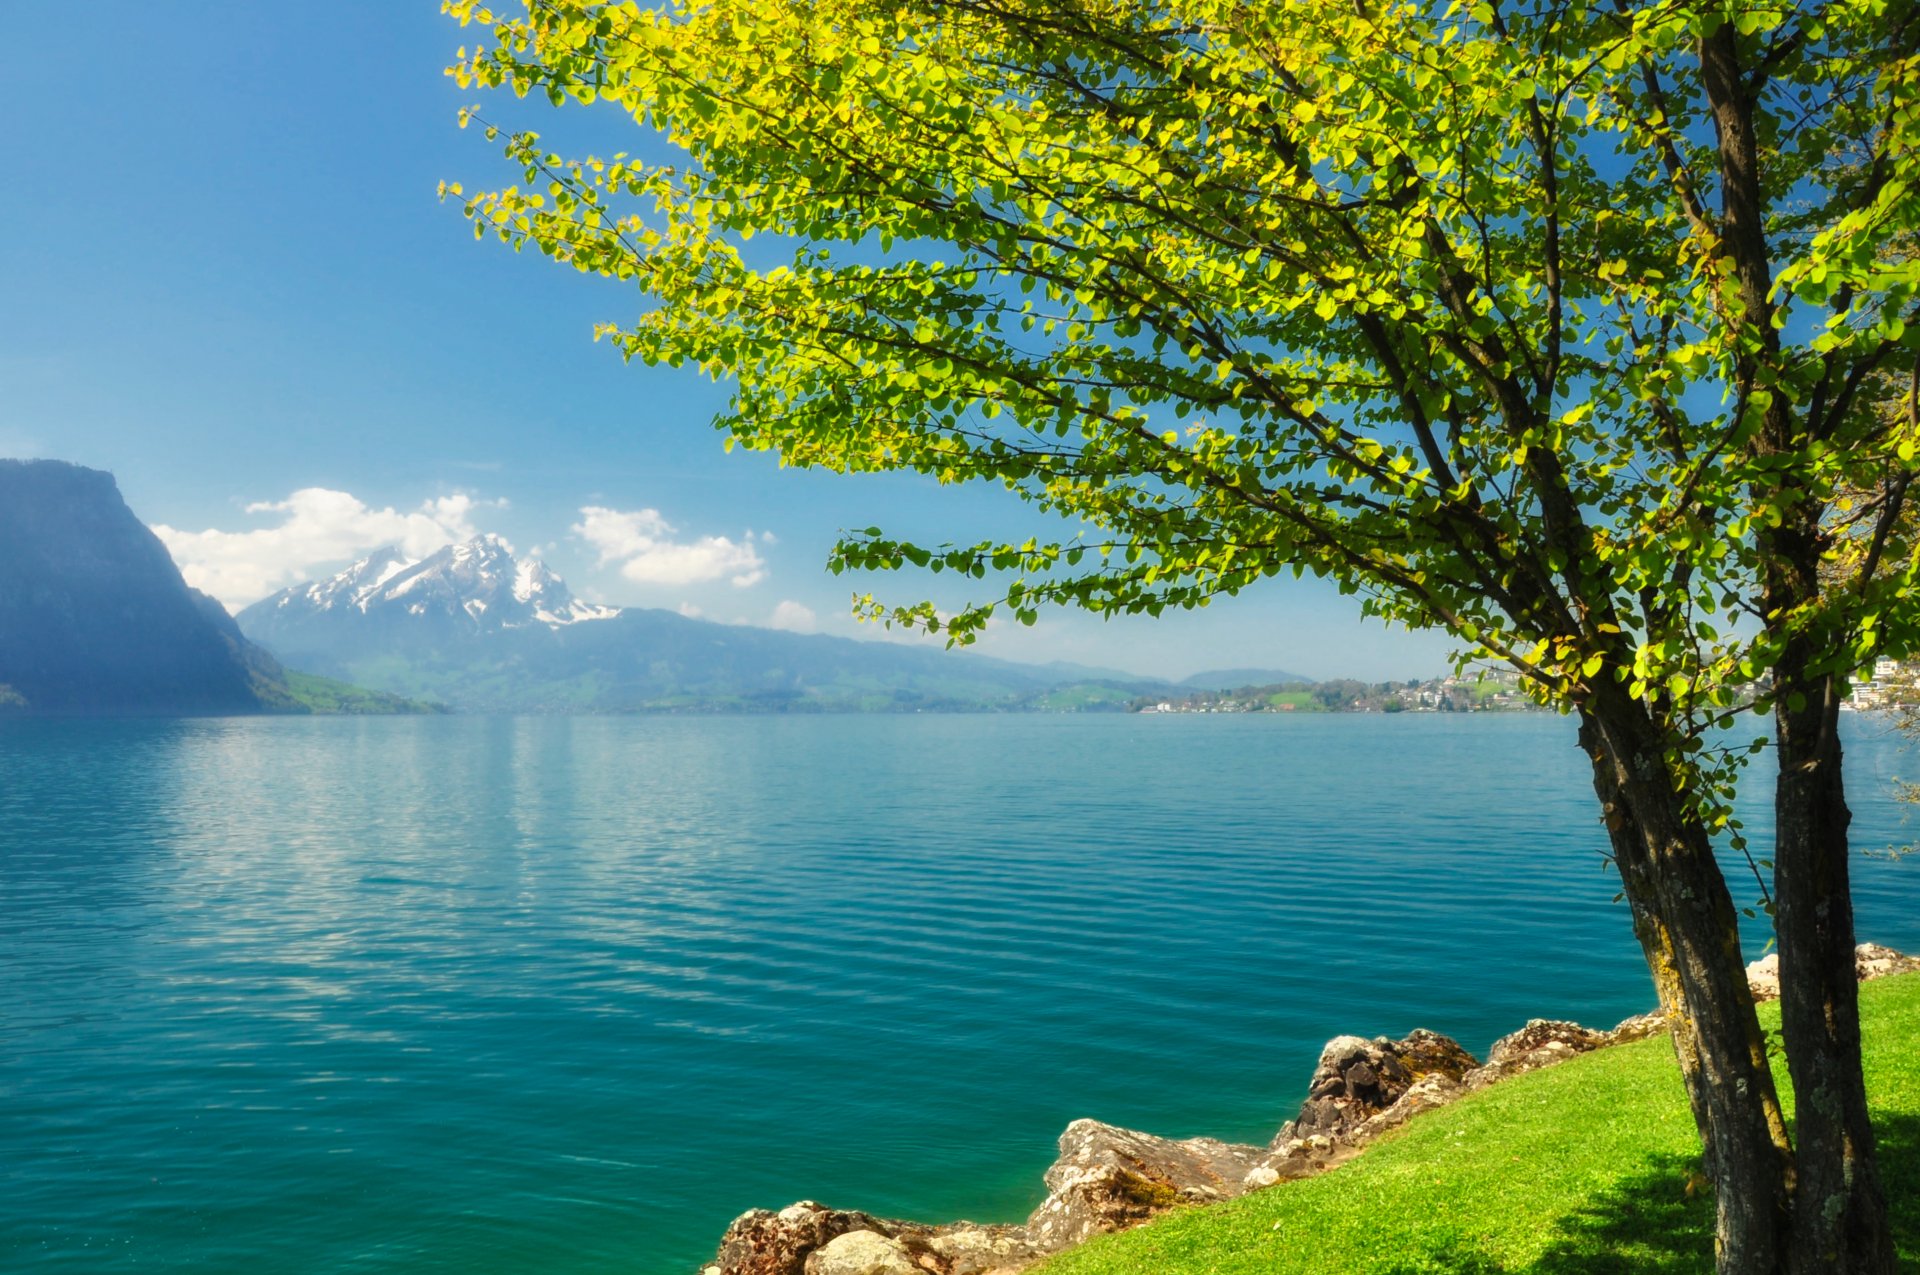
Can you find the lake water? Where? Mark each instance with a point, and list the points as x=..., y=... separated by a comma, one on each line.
x=564, y=995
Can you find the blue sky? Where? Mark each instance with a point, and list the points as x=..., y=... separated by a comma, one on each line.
x=229, y=281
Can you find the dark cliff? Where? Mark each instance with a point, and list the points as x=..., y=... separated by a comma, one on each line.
x=94, y=615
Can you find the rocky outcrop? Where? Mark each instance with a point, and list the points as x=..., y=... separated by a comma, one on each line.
x=1639, y=1027
x=1108, y=1179
x=1541, y=1043
x=863, y=1253
x=811, y=1239
x=1360, y=1089
x=1358, y=1081
x=1870, y=961
x=966, y=1249
x=762, y=1242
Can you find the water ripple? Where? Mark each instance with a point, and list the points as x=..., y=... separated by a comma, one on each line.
x=566, y=994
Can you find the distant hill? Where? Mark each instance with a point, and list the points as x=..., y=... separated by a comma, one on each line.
x=1232, y=679
x=94, y=617
x=475, y=628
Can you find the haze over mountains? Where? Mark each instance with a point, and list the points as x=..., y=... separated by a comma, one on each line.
x=95, y=618
x=475, y=628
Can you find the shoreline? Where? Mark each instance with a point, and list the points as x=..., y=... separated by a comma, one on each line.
x=1110, y=1179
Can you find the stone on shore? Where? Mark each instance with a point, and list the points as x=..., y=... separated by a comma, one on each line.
x=1763, y=977
x=967, y=1249
x=1360, y=1089
x=1541, y=1043
x=1639, y=1027
x=1108, y=1179
x=762, y=1242
x=1870, y=961
x=811, y=1239
x=863, y=1253
x=1359, y=1083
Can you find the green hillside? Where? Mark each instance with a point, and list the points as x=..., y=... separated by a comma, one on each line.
x=1587, y=1167
x=324, y=695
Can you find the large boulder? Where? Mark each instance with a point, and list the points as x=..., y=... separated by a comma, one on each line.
x=967, y=1249
x=762, y=1242
x=1360, y=1089
x=812, y=1239
x=1359, y=1080
x=1107, y=1179
x=1639, y=1027
x=863, y=1253
x=1541, y=1043
x=1870, y=961
x=1763, y=977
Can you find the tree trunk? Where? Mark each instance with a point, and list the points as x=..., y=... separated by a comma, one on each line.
x=1840, y=1218
x=1689, y=930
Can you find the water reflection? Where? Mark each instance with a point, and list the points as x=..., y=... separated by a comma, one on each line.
x=565, y=994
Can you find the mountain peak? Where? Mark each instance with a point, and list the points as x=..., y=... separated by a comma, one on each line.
x=474, y=586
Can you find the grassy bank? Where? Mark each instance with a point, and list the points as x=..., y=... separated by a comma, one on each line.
x=1583, y=1168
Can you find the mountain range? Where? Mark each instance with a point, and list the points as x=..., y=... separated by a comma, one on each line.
x=473, y=627
x=96, y=618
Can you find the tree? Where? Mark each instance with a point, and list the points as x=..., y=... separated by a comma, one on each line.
x=1542, y=324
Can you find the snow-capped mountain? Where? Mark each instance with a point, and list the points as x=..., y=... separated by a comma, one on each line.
x=472, y=587
x=473, y=628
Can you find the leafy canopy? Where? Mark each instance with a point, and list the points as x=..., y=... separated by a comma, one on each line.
x=1440, y=303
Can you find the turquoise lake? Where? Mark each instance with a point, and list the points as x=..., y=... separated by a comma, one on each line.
x=565, y=995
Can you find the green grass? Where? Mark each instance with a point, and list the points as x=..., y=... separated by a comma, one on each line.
x=1579, y=1169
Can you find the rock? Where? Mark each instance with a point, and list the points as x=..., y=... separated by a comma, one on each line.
x=811, y=1239
x=1430, y=1091
x=1358, y=1081
x=761, y=1242
x=1639, y=1027
x=1871, y=960
x=1108, y=1179
x=1541, y=1043
x=863, y=1253
x=1262, y=1175
x=967, y=1249
x=1554, y=1038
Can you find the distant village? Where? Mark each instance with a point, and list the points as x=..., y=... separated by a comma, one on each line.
x=1892, y=684
x=1482, y=691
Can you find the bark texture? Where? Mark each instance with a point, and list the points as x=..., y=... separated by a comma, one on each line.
x=1689, y=932
x=1840, y=1220
x=1839, y=1216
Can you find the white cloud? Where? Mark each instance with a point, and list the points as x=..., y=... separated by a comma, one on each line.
x=689, y=610
x=794, y=617
x=318, y=527
x=641, y=541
